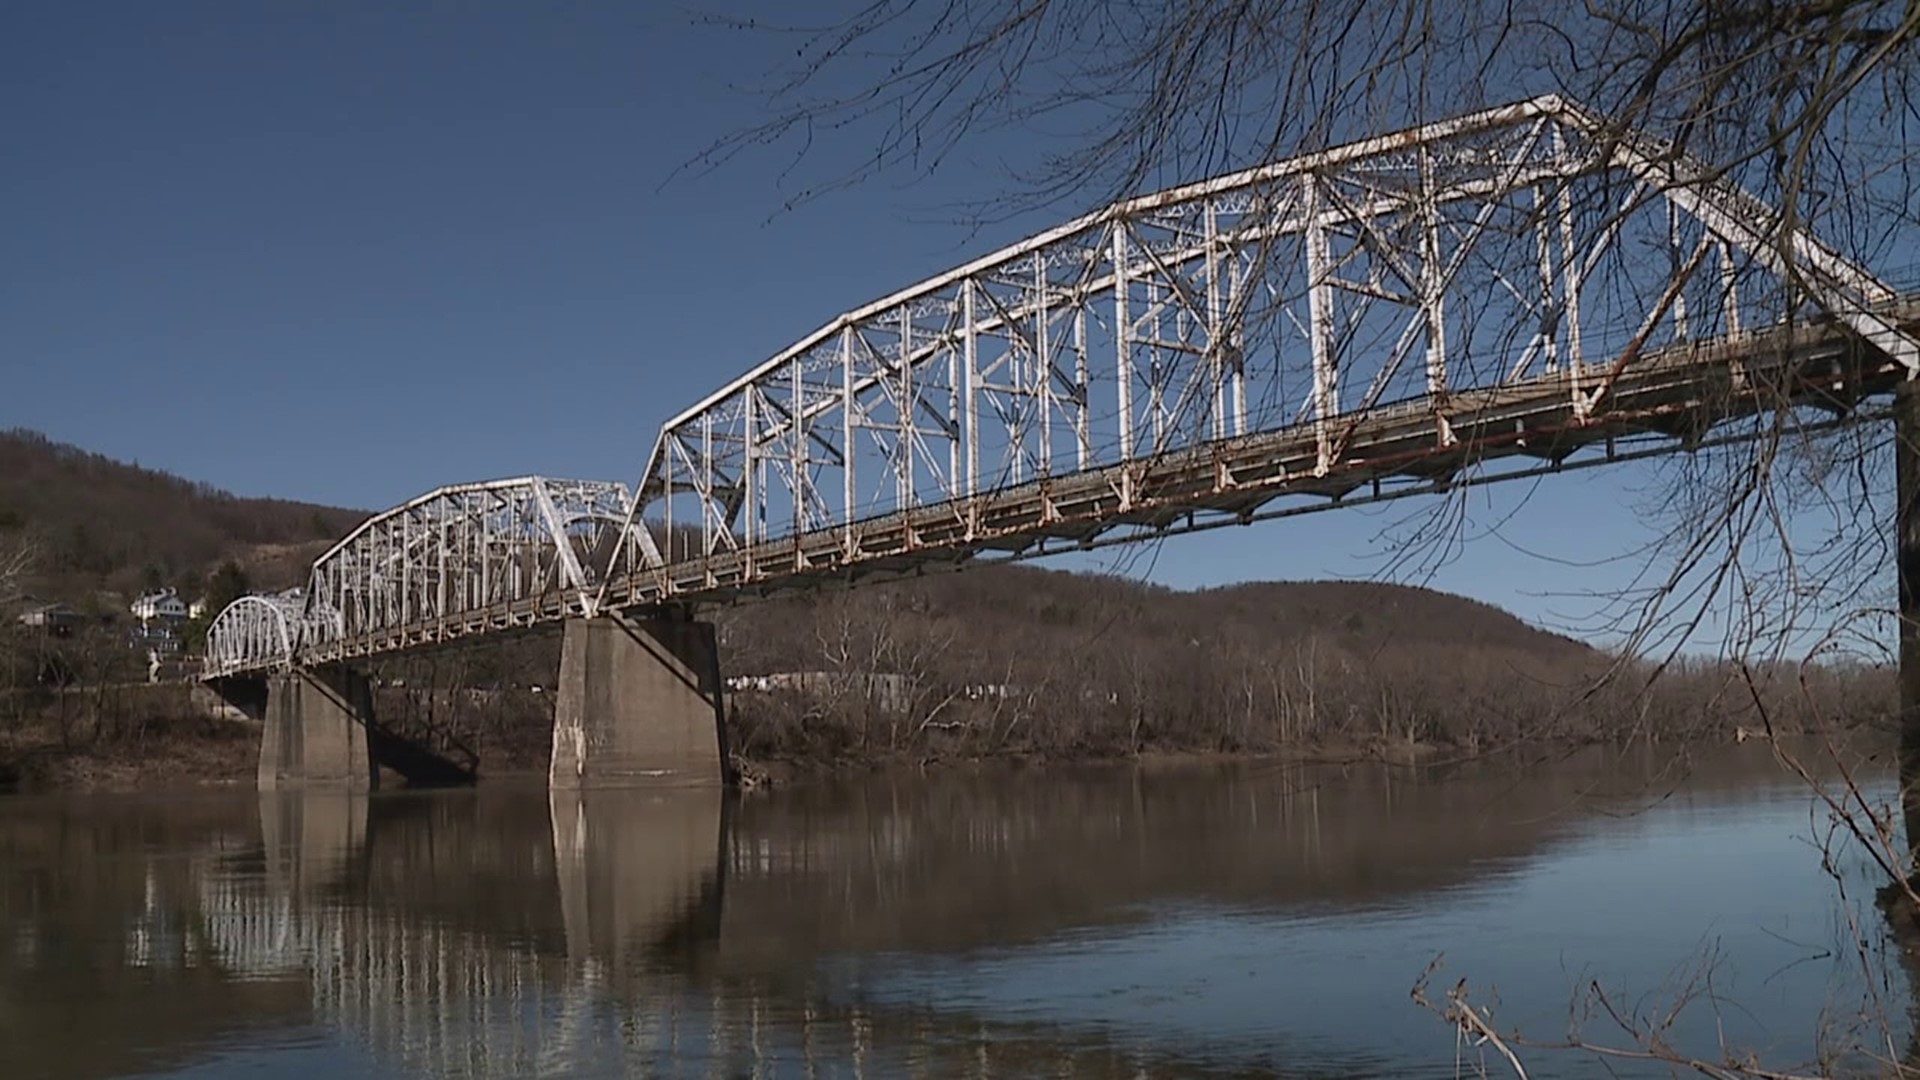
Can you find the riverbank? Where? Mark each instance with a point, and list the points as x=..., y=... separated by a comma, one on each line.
x=147, y=737
x=198, y=752
x=166, y=753
x=780, y=772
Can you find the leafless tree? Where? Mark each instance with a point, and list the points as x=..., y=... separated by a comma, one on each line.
x=1811, y=93
x=19, y=555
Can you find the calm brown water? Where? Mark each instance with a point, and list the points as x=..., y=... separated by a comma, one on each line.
x=1194, y=921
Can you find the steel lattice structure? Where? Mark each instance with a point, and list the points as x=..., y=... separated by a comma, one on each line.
x=1042, y=390
x=457, y=561
x=1518, y=283
x=255, y=632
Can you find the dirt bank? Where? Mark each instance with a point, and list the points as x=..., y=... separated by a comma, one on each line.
x=167, y=753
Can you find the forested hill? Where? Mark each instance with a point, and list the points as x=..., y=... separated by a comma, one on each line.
x=1080, y=664
x=1020, y=660
x=110, y=526
x=1004, y=615
x=1384, y=615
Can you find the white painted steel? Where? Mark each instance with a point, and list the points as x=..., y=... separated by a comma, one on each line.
x=254, y=633
x=1211, y=305
x=428, y=569
x=1527, y=280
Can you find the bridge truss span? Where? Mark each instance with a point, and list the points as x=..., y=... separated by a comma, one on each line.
x=254, y=633
x=1496, y=295
x=456, y=561
x=464, y=559
x=1526, y=279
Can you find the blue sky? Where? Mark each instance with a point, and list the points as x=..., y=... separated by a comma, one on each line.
x=347, y=252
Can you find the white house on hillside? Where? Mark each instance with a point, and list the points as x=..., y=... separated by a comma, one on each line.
x=165, y=604
x=55, y=618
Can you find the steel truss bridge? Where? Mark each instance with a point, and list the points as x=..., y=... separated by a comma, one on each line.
x=1512, y=292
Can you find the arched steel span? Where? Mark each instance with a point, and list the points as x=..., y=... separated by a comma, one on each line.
x=458, y=560
x=1493, y=296
x=254, y=633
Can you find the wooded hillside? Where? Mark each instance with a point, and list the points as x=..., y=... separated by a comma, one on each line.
x=1027, y=661
x=1021, y=660
x=109, y=526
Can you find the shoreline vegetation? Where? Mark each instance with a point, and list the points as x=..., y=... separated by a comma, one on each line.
x=199, y=752
x=1029, y=667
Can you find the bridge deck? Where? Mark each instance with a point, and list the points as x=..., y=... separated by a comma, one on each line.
x=1676, y=395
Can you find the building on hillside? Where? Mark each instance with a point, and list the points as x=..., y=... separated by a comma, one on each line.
x=164, y=605
x=886, y=692
x=158, y=634
x=55, y=619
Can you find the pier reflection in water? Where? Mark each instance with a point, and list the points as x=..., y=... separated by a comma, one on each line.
x=1231, y=921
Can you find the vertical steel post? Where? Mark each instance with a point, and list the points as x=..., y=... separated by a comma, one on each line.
x=440, y=584
x=797, y=448
x=1123, y=342
x=970, y=367
x=848, y=493
x=1432, y=280
x=751, y=471
x=406, y=566
x=1216, y=348
x=954, y=462
x=1326, y=386
x=1157, y=294
x=480, y=539
x=667, y=442
x=1237, y=340
x=1571, y=306
x=1082, y=431
x=1042, y=364
x=709, y=512
x=1678, y=263
x=903, y=445
x=1729, y=290
x=1549, y=334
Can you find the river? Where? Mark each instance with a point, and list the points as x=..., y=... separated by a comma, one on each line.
x=1177, y=920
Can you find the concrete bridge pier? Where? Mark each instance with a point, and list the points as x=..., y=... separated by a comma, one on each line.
x=316, y=733
x=639, y=702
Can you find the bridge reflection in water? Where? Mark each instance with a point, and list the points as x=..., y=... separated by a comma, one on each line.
x=516, y=933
